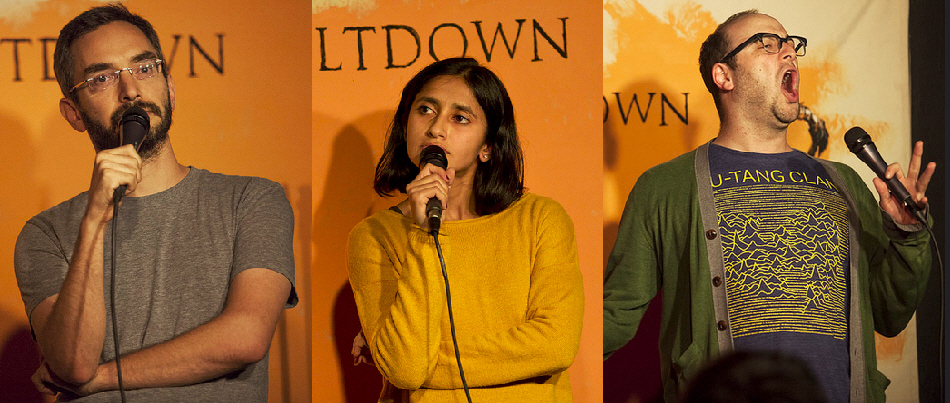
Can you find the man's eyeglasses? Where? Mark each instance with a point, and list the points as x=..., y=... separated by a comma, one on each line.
x=772, y=43
x=141, y=71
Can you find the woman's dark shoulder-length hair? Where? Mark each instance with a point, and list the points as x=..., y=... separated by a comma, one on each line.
x=498, y=181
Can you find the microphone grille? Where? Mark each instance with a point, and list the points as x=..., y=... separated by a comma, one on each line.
x=434, y=155
x=854, y=135
x=134, y=125
x=855, y=138
x=135, y=115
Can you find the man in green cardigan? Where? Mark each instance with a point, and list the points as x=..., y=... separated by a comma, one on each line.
x=759, y=247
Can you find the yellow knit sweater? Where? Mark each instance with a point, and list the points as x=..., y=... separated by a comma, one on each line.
x=517, y=300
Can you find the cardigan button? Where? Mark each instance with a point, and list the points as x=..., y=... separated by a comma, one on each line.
x=711, y=234
x=722, y=325
x=717, y=281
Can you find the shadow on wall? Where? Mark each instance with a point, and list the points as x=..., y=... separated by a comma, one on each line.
x=19, y=358
x=648, y=123
x=640, y=133
x=287, y=350
x=348, y=198
x=632, y=374
x=361, y=383
x=23, y=194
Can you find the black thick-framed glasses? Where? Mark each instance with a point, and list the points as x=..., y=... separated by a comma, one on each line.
x=141, y=71
x=772, y=43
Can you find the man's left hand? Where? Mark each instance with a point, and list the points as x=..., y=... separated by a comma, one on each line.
x=915, y=182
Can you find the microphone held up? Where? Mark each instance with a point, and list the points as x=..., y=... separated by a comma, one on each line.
x=859, y=142
x=434, y=155
x=134, y=126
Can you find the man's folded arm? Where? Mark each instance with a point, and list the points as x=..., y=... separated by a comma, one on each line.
x=238, y=337
x=70, y=326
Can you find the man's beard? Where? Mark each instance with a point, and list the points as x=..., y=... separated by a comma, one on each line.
x=786, y=117
x=757, y=96
x=103, y=138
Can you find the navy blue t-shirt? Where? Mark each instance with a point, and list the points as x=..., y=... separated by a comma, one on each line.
x=784, y=232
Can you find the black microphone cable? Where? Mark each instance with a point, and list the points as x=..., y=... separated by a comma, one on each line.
x=943, y=298
x=134, y=127
x=448, y=301
x=859, y=142
x=115, y=327
x=943, y=293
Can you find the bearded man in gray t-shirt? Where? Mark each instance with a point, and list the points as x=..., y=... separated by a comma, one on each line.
x=203, y=262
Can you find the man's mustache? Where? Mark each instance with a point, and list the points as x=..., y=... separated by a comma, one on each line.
x=147, y=106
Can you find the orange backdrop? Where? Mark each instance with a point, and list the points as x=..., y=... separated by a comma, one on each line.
x=249, y=118
x=355, y=95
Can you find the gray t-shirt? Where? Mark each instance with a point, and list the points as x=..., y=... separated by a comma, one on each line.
x=177, y=252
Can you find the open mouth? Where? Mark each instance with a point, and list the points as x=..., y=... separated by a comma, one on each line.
x=790, y=85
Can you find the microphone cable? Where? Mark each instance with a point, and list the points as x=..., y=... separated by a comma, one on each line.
x=116, y=196
x=943, y=298
x=448, y=301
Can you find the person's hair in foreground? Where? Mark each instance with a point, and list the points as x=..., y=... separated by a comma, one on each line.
x=755, y=377
x=498, y=181
x=87, y=22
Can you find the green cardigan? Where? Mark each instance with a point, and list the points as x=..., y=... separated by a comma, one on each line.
x=668, y=238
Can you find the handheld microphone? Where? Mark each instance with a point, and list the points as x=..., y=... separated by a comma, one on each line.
x=134, y=125
x=859, y=142
x=434, y=155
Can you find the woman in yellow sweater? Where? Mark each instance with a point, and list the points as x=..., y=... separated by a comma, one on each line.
x=511, y=256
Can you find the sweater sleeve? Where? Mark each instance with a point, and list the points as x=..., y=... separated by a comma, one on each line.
x=547, y=341
x=400, y=304
x=631, y=277
x=898, y=261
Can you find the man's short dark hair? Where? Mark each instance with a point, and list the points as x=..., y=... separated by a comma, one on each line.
x=714, y=49
x=87, y=22
x=498, y=181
